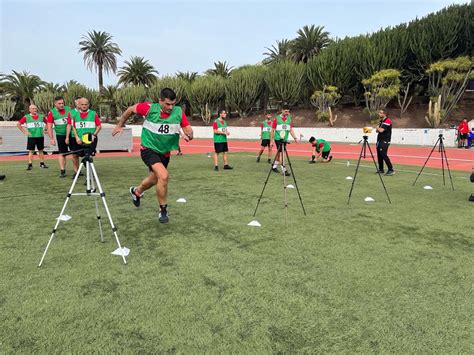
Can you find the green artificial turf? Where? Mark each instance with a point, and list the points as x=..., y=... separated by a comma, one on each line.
x=347, y=278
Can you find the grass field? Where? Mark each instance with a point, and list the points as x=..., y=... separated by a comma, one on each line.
x=358, y=278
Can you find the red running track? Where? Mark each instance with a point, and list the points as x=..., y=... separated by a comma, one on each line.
x=459, y=159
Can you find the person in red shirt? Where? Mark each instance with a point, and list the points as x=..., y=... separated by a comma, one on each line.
x=160, y=135
x=75, y=143
x=265, y=133
x=463, y=130
x=35, y=132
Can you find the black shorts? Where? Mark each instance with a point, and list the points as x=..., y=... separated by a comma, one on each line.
x=61, y=142
x=37, y=142
x=278, y=144
x=150, y=157
x=265, y=142
x=221, y=147
x=79, y=148
x=463, y=136
x=325, y=155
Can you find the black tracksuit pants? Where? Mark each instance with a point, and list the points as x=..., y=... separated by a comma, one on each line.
x=382, y=156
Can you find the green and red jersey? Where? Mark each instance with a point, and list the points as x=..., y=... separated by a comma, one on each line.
x=282, y=126
x=266, y=127
x=59, y=119
x=160, y=130
x=220, y=126
x=321, y=145
x=34, y=124
x=84, y=122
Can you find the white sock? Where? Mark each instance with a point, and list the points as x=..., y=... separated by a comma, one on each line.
x=275, y=165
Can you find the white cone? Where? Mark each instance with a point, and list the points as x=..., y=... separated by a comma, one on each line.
x=254, y=223
x=290, y=186
x=124, y=251
x=181, y=200
x=64, y=217
x=369, y=199
x=348, y=163
x=349, y=178
x=427, y=187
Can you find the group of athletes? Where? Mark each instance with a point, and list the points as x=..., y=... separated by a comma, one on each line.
x=164, y=124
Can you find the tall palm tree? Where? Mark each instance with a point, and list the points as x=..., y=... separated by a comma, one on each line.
x=21, y=86
x=100, y=53
x=220, y=69
x=310, y=41
x=282, y=51
x=137, y=71
x=187, y=76
x=54, y=88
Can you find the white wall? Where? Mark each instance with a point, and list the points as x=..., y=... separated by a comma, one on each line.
x=411, y=136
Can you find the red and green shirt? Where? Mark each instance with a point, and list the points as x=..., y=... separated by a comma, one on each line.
x=34, y=124
x=59, y=119
x=282, y=126
x=84, y=122
x=266, y=129
x=220, y=126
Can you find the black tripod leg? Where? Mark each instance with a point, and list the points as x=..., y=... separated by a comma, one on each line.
x=266, y=181
x=355, y=174
x=294, y=179
x=443, y=153
x=432, y=150
x=380, y=175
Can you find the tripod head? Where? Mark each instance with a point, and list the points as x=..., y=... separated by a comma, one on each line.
x=440, y=136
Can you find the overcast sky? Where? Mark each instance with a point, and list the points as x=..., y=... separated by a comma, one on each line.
x=42, y=37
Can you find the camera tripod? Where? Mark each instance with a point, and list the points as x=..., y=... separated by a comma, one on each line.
x=442, y=150
x=284, y=153
x=92, y=180
x=363, y=152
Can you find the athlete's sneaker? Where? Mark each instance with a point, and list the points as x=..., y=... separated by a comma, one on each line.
x=312, y=161
x=258, y=159
x=216, y=168
x=330, y=158
x=228, y=167
x=43, y=166
x=286, y=173
x=380, y=172
x=135, y=198
x=62, y=174
x=73, y=176
x=275, y=170
x=390, y=173
x=30, y=166
x=163, y=216
x=269, y=161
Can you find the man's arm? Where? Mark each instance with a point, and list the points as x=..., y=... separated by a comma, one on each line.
x=125, y=116
x=293, y=135
x=21, y=128
x=188, y=132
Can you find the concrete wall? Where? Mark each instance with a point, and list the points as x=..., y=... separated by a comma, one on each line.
x=411, y=136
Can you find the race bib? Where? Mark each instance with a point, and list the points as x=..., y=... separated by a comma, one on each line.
x=161, y=128
x=267, y=129
x=60, y=121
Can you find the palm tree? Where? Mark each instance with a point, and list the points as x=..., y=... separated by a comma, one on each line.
x=108, y=95
x=220, y=69
x=100, y=53
x=187, y=76
x=281, y=51
x=54, y=88
x=137, y=71
x=21, y=86
x=310, y=41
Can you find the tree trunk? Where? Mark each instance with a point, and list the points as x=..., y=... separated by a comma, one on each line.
x=101, y=79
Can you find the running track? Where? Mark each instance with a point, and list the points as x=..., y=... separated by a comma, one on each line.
x=458, y=159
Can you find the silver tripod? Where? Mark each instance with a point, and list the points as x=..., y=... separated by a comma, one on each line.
x=91, y=180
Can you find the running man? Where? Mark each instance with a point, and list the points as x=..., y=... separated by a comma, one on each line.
x=320, y=148
x=265, y=132
x=35, y=124
x=160, y=135
x=58, y=117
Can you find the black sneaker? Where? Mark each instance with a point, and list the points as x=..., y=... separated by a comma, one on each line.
x=312, y=162
x=269, y=161
x=163, y=216
x=275, y=170
x=216, y=168
x=62, y=174
x=286, y=173
x=228, y=167
x=135, y=198
x=380, y=172
x=30, y=166
x=43, y=166
x=330, y=158
x=390, y=173
x=258, y=159
x=73, y=176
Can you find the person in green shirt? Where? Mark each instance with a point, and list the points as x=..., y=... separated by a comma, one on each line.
x=320, y=148
x=281, y=130
x=58, y=117
x=220, y=140
x=35, y=126
x=265, y=132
